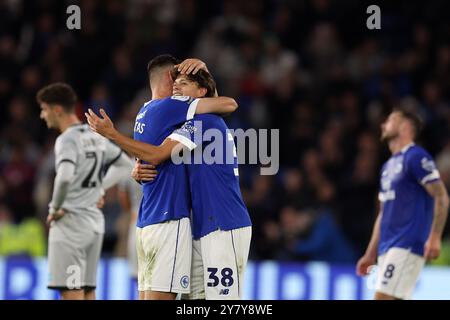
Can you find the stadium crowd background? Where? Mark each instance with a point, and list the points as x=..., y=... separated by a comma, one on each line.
x=309, y=68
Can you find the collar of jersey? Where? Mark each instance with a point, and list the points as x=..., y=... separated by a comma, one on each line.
x=148, y=102
x=75, y=125
x=405, y=148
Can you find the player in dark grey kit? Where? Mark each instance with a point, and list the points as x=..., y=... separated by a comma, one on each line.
x=76, y=223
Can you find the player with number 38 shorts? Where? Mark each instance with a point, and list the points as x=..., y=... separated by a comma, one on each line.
x=221, y=225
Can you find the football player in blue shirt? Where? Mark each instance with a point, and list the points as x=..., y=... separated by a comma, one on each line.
x=220, y=220
x=163, y=235
x=221, y=224
x=413, y=211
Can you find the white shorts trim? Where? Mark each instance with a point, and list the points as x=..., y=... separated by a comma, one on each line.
x=398, y=272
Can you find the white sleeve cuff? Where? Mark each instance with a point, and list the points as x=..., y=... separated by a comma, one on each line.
x=182, y=139
x=432, y=176
x=192, y=109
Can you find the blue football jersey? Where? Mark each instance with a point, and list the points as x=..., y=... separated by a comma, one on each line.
x=407, y=207
x=167, y=197
x=213, y=175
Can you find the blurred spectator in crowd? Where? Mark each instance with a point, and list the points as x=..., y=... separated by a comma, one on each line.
x=20, y=239
x=309, y=235
x=18, y=175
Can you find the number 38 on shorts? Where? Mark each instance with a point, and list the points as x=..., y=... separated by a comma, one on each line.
x=225, y=278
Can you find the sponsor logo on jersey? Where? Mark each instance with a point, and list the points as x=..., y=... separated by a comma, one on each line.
x=386, y=195
x=398, y=168
x=386, y=184
x=141, y=115
x=139, y=127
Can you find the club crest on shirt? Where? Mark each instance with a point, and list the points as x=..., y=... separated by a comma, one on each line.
x=141, y=115
x=188, y=127
x=184, y=281
x=428, y=164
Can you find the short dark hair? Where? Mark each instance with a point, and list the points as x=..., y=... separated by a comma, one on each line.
x=415, y=120
x=58, y=93
x=163, y=60
x=203, y=78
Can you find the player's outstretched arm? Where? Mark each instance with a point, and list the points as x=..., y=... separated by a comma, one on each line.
x=147, y=152
x=144, y=172
x=141, y=150
x=438, y=191
x=370, y=256
x=220, y=105
x=118, y=171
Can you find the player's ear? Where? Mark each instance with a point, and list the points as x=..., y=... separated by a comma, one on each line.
x=169, y=76
x=203, y=92
x=402, y=124
x=58, y=109
x=409, y=126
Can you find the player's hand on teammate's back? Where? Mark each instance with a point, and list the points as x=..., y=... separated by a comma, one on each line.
x=191, y=66
x=143, y=172
x=364, y=264
x=432, y=248
x=104, y=126
x=55, y=216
